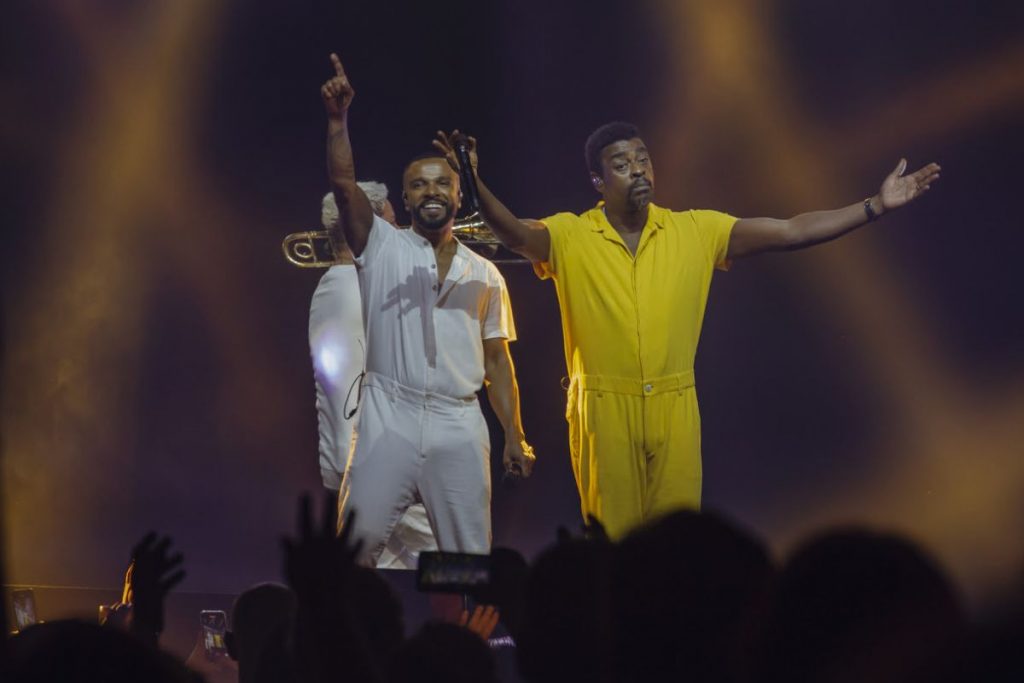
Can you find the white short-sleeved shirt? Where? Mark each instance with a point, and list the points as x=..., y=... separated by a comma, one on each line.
x=421, y=334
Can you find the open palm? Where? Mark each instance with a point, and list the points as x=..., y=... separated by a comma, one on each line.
x=898, y=189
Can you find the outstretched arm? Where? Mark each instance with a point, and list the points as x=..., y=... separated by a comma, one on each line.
x=757, y=235
x=355, y=215
x=503, y=393
x=525, y=237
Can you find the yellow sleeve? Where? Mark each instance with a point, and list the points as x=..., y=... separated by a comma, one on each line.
x=558, y=227
x=714, y=228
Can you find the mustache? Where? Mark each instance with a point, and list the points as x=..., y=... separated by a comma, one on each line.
x=640, y=184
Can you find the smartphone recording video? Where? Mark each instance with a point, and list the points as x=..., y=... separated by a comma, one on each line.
x=24, y=604
x=215, y=625
x=463, y=573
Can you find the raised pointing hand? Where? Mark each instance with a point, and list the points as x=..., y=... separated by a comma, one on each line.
x=337, y=92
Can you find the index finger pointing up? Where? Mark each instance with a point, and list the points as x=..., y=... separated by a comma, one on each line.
x=338, y=68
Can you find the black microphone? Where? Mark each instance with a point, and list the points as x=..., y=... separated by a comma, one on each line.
x=469, y=192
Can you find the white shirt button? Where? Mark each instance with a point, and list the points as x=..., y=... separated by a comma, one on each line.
x=648, y=388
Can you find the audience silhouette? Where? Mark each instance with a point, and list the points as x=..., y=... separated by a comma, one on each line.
x=687, y=597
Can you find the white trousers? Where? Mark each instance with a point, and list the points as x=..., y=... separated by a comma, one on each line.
x=415, y=447
x=337, y=349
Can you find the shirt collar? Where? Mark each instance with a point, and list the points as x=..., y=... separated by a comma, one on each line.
x=599, y=220
x=460, y=248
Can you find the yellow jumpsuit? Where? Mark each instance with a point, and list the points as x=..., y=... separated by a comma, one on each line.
x=630, y=326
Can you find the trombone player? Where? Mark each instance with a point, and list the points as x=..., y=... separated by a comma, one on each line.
x=438, y=322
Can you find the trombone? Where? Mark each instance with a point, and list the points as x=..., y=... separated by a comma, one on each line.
x=316, y=249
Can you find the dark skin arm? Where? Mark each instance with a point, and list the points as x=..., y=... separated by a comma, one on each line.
x=527, y=238
x=752, y=236
x=355, y=215
x=503, y=393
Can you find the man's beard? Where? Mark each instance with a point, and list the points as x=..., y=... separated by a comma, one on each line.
x=434, y=224
x=639, y=200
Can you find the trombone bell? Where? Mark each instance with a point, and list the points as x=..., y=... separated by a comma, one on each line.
x=310, y=249
x=472, y=230
x=314, y=248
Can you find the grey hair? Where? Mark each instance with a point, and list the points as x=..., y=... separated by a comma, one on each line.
x=376, y=192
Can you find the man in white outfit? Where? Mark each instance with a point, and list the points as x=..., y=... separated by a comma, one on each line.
x=438, y=323
x=336, y=344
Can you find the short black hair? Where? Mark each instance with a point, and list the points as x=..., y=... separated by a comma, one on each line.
x=604, y=136
x=421, y=157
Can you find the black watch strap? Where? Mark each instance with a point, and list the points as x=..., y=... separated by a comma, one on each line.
x=868, y=210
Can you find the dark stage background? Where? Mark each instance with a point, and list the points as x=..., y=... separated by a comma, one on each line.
x=156, y=370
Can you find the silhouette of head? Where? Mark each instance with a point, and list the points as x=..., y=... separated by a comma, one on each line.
x=853, y=604
x=262, y=621
x=687, y=590
x=443, y=653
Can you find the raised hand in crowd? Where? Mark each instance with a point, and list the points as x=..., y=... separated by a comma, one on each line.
x=119, y=614
x=319, y=560
x=154, y=572
x=483, y=620
x=319, y=566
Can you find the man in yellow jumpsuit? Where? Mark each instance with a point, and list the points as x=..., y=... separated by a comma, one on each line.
x=632, y=280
